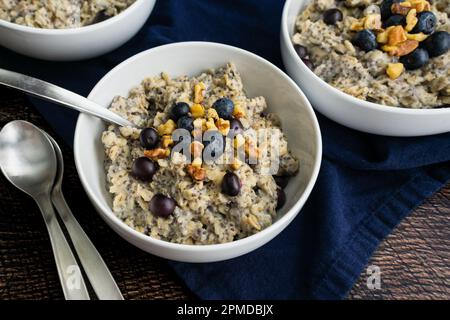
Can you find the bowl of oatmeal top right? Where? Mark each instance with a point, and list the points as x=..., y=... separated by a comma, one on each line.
x=381, y=67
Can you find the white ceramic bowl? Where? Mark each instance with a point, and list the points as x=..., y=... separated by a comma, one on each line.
x=350, y=111
x=77, y=43
x=260, y=77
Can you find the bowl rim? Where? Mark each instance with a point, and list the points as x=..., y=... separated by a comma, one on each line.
x=78, y=30
x=284, y=220
x=352, y=100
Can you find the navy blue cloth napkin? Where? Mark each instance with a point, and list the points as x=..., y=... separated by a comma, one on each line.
x=366, y=186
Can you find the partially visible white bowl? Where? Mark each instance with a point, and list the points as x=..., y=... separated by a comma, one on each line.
x=348, y=110
x=76, y=43
x=260, y=77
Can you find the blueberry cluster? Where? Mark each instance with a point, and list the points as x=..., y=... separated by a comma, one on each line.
x=182, y=116
x=435, y=43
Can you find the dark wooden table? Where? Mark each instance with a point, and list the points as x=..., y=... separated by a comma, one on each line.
x=414, y=260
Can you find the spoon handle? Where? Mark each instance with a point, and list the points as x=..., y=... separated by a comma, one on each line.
x=96, y=270
x=69, y=272
x=53, y=93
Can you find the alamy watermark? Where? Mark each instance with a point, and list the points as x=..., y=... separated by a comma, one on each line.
x=257, y=147
x=74, y=278
x=374, y=277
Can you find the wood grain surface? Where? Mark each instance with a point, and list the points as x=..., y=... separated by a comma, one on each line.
x=414, y=260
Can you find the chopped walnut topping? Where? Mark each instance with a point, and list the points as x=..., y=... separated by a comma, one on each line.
x=212, y=113
x=236, y=164
x=420, y=5
x=210, y=125
x=401, y=49
x=394, y=70
x=396, y=35
x=166, y=141
x=223, y=126
x=423, y=6
x=401, y=8
x=158, y=153
x=371, y=21
x=167, y=128
x=417, y=36
x=383, y=36
x=411, y=20
x=199, y=92
x=238, y=111
x=197, y=111
x=197, y=173
x=358, y=25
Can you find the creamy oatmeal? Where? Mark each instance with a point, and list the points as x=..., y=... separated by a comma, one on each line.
x=392, y=52
x=60, y=14
x=190, y=199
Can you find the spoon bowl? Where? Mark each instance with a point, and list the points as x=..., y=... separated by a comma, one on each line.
x=27, y=158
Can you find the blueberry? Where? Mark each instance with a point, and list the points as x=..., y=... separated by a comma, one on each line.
x=186, y=123
x=224, y=108
x=301, y=51
x=416, y=59
x=100, y=17
x=143, y=169
x=395, y=20
x=438, y=43
x=236, y=128
x=281, y=181
x=332, y=16
x=281, y=198
x=426, y=23
x=179, y=110
x=149, y=138
x=385, y=8
x=308, y=63
x=365, y=40
x=231, y=185
x=162, y=206
x=214, y=146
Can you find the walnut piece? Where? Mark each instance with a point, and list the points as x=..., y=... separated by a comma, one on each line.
x=197, y=173
x=396, y=35
x=401, y=49
x=394, y=70
x=401, y=8
x=158, y=153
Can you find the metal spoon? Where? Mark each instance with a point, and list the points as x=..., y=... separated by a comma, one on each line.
x=28, y=161
x=96, y=270
x=53, y=93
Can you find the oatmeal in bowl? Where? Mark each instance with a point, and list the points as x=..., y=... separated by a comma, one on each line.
x=194, y=207
x=205, y=191
x=391, y=52
x=372, y=65
x=60, y=14
x=68, y=30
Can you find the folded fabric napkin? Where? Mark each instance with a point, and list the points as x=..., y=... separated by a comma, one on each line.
x=367, y=184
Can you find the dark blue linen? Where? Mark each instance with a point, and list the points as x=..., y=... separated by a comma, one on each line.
x=367, y=184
